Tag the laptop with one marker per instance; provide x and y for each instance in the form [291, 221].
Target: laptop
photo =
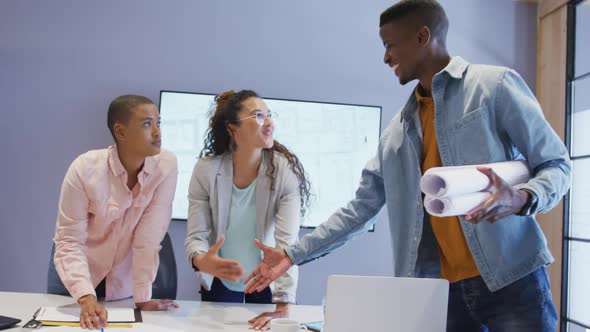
[7, 322]
[361, 303]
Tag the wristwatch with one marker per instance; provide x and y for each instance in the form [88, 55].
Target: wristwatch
[531, 204]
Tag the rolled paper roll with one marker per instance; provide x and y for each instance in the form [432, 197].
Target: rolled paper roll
[460, 180]
[454, 206]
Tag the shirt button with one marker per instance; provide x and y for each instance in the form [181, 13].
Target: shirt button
[415, 238]
[409, 274]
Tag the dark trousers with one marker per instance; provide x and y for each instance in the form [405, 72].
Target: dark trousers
[523, 306]
[220, 293]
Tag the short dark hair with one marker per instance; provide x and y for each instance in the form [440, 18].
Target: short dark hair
[120, 107]
[423, 12]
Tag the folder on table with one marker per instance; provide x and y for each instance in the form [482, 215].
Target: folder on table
[70, 316]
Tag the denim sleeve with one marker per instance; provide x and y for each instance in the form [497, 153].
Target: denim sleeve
[347, 222]
[521, 117]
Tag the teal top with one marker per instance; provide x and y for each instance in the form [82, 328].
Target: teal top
[241, 232]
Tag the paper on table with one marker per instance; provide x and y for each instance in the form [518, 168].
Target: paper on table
[72, 314]
[458, 180]
[138, 327]
[454, 206]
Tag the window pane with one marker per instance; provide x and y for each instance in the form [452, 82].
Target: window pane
[582, 65]
[573, 327]
[580, 197]
[579, 287]
[581, 118]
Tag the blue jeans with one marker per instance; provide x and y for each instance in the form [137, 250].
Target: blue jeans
[525, 305]
[220, 293]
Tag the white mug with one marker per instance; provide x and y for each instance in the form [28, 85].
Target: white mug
[285, 325]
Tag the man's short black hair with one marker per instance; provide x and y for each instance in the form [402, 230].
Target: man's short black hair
[120, 107]
[422, 13]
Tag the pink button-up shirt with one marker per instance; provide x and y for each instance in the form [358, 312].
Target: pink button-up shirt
[106, 230]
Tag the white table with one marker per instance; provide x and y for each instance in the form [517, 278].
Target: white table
[192, 316]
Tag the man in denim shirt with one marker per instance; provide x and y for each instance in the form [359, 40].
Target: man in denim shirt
[459, 114]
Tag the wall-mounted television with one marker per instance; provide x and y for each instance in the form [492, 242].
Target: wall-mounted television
[333, 141]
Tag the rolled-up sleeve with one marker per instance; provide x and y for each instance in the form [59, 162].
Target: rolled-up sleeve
[70, 257]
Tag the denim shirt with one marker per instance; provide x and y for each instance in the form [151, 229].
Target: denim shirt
[483, 114]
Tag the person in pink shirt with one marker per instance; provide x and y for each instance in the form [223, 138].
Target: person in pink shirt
[114, 210]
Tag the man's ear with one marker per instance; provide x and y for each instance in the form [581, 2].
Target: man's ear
[424, 36]
[120, 131]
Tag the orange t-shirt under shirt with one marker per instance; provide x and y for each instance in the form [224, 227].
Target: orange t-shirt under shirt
[456, 261]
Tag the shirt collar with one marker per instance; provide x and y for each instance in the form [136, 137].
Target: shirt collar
[149, 165]
[456, 67]
[114, 161]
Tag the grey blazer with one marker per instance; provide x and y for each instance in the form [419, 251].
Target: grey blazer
[277, 213]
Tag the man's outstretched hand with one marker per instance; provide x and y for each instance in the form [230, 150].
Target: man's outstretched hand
[274, 264]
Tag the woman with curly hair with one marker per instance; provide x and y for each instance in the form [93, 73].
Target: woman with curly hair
[245, 186]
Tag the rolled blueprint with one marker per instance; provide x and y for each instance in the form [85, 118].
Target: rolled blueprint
[460, 180]
[454, 205]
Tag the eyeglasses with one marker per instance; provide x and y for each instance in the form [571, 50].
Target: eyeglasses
[261, 117]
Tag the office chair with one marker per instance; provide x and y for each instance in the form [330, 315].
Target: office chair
[166, 282]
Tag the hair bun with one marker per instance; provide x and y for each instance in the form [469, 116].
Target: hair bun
[221, 99]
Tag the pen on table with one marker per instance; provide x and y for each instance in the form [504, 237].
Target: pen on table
[37, 313]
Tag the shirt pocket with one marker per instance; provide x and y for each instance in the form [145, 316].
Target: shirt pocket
[106, 216]
[113, 211]
[475, 139]
[108, 210]
[137, 209]
[472, 118]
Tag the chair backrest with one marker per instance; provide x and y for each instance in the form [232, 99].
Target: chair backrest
[163, 287]
[165, 284]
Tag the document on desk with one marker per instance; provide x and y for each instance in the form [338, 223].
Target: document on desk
[72, 314]
[139, 327]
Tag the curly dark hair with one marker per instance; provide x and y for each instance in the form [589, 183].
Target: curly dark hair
[218, 141]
